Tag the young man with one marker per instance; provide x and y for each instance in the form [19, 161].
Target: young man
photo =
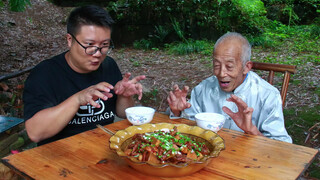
[250, 103]
[72, 92]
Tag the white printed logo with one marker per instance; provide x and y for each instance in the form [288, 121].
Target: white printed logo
[89, 110]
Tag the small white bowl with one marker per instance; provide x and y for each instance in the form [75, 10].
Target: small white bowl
[139, 115]
[210, 121]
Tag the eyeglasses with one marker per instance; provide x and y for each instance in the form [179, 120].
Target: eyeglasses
[90, 50]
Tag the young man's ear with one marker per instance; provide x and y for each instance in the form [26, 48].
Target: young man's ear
[69, 40]
[247, 67]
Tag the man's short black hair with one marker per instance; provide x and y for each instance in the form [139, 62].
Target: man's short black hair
[88, 15]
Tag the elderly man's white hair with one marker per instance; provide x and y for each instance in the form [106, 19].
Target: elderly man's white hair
[246, 47]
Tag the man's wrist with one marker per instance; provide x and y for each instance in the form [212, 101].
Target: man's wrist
[125, 101]
[127, 98]
[254, 131]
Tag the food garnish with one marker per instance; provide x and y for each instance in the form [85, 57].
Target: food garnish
[166, 147]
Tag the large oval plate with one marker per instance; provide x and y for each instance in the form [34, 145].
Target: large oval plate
[122, 138]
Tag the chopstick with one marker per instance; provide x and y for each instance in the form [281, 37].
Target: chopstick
[105, 129]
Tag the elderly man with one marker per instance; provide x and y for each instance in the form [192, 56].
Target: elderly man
[250, 104]
[77, 89]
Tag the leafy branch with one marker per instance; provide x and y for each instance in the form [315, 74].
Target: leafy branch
[17, 5]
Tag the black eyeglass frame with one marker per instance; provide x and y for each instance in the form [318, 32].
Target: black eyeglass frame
[97, 48]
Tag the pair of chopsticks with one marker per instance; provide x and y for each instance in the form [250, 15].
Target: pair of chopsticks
[105, 129]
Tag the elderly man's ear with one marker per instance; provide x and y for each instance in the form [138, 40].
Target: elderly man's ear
[247, 67]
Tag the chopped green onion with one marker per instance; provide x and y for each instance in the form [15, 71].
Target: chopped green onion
[197, 153]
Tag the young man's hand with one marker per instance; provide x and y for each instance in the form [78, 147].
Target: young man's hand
[128, 88]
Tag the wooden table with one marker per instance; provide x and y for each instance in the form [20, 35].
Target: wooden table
[87, 156]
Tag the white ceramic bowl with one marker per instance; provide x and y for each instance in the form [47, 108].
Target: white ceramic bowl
[139, 115]
[210, 121]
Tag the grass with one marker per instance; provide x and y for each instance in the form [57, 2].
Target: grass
[299, 123]
[151, 97]
[143, 44]
[293, 45]
[191, 46]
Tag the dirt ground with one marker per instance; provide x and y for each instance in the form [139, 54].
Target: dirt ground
[38, 33]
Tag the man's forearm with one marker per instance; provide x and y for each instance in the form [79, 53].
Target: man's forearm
[122, 104]
[48, 122]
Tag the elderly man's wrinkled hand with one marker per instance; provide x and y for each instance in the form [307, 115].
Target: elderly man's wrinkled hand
[177, 99]
[243, 117]
[128, 88]
[92, 93]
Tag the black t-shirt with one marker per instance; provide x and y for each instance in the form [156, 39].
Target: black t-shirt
[52, 81]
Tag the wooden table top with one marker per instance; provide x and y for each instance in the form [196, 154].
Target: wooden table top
[87, 156]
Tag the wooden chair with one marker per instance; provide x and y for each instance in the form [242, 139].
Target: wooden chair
[272, 68]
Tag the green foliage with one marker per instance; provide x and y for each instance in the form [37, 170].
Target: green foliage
[189, 19]
[146, 44]
[301, 41]
[17, 5]
[150, 97]
[315, 31]
[272, 37]
[293, 45]
[177, 29]
[207, 48]
[311, 2]
[190, 46]
[184, 20]
[292, 12]
[261, 40]
[293, 17]
[153, 41]
[161, 33]
[317, 91]
[135, 62]
[252, 13]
